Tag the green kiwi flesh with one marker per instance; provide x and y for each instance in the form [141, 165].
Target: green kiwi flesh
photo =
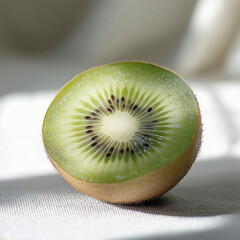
[121, 121]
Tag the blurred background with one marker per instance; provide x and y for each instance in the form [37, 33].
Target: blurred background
[43, 44]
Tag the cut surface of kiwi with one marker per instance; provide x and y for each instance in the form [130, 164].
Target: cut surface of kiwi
[121, 122]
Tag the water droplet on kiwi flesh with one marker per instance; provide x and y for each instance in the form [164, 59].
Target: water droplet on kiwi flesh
[146, 137]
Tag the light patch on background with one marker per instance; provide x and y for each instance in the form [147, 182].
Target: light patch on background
[205, 13]
[22, 153]
[211, 32]
[229, 99]
[215, 141]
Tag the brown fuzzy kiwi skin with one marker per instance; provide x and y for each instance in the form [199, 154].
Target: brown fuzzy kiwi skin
[145, 187]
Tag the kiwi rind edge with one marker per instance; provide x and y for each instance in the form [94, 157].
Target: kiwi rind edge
[144, 187]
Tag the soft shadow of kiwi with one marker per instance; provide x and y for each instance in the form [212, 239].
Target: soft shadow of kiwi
[32, 189]
[211, 188]
[51, 182]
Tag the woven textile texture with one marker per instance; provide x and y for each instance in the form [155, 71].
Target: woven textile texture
[35, 203]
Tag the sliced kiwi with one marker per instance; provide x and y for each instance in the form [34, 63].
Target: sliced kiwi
[123, 132]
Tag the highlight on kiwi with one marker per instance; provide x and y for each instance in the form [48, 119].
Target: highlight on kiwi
[124, 132]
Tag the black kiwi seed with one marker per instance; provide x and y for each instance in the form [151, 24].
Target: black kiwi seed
[111, 106]
[111, 149]
[93, 114]
[89, 131]
[87, 127]
[87, 117]
[127, 149]
[108, 155]
[96, 110]
[132, 152]
[123, 105]
[93, 138]
[94, 144]
[122, 99]
[109, 101]
[149, 109]
[121, 151]
[109, 110]
[112, 97]
[135, 107]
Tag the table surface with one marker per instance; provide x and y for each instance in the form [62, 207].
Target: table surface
[36, 203]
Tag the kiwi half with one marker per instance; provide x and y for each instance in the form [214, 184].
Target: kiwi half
[124, 132]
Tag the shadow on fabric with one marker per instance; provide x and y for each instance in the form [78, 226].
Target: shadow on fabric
[211, 188]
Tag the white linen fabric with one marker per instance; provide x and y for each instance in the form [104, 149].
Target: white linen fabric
[36, 203]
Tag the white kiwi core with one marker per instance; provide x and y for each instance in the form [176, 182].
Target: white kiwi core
[120, 126]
